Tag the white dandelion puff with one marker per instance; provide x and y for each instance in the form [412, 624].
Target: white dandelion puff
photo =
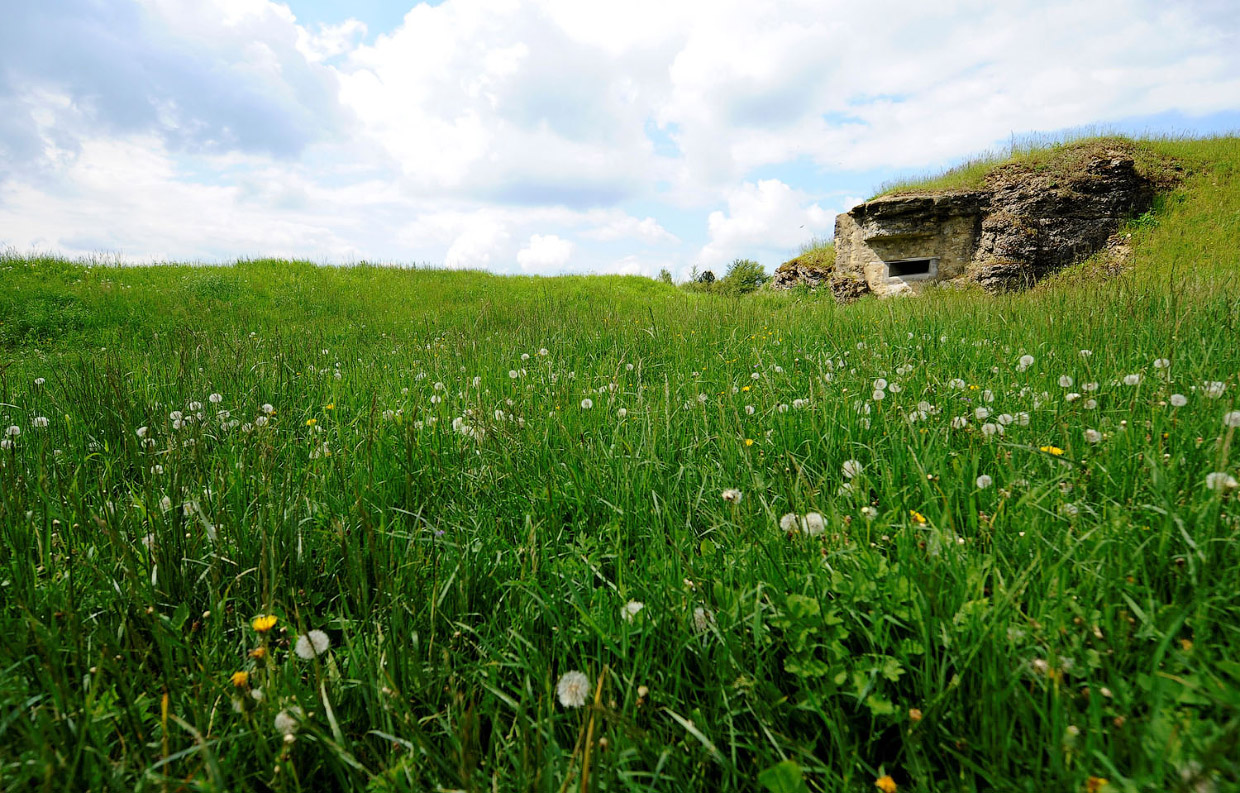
[587, 403]
[1221, 481]
[851, 469]
[1178, 400]
[629, 610]
[732, 495]
[813, 524]
[984, 481]
[1231, 419]
[311, 645]
[573, 689]
[287, 721]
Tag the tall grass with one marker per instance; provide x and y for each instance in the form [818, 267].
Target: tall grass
[1075, 617]
[1040, 149]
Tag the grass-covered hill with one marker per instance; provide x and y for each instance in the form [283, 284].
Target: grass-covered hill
[950, 543]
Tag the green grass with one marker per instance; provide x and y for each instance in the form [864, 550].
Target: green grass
[1153, 157]
[1076, 618]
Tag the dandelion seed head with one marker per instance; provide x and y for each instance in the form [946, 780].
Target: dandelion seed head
[573, 689]
[311, 645]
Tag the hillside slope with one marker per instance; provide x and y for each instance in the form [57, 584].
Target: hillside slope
[955, 543]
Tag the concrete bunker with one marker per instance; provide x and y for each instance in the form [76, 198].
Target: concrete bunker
[1026, 219]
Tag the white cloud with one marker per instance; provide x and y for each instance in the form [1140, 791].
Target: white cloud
[480, 246]
[626, 227]
[228, 127]
[763, 218]
[330, 40]
[545, 253]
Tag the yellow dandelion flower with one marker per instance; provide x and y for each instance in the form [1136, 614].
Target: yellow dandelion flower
[746, 388]
[258, 653]
[918, 517]
[311, 422]
[264, 622]
[330, 406]
[749, 441]
[1095, 784]
[1055, 450]
[240, 679]
[886, 784]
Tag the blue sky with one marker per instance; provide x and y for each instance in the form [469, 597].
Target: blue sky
[550, 136]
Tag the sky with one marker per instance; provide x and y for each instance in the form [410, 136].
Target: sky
[550, 136]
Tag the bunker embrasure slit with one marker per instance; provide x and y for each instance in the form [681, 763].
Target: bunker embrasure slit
[913, 268]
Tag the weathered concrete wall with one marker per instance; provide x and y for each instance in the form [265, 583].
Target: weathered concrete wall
[942, 227]
[1029, 220]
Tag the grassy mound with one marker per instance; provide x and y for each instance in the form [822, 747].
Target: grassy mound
[980, 543]
[1158, 159]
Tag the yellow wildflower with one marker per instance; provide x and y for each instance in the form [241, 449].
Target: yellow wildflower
[240, 679]
[258, 653]
[917, 516]
[746, 388]
[264, 622]
[330, 406]
[1055, 450]
[886, 784]
[1095, 784]
[749, 441]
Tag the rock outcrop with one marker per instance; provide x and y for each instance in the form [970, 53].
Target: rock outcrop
[1027, 220]
[804, 270]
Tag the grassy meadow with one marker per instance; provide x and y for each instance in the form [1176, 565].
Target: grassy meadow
[954, 543]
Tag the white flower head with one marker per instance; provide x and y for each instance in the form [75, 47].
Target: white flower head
[813, 524]
[1025, 362]
[587, 403]
[1232, 419]
[573, 689]
[1093, 436]
[39, 422]
[1065, 381]
[788, 522]
[1221, 481]
[1132, 379]
[702, 619]
[851, 469]
[1214, 389]
[984, 481]
[287, 721]
[1178, 400]
[311, 645]
[732, 495]
[215, 399]
[629, 610]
